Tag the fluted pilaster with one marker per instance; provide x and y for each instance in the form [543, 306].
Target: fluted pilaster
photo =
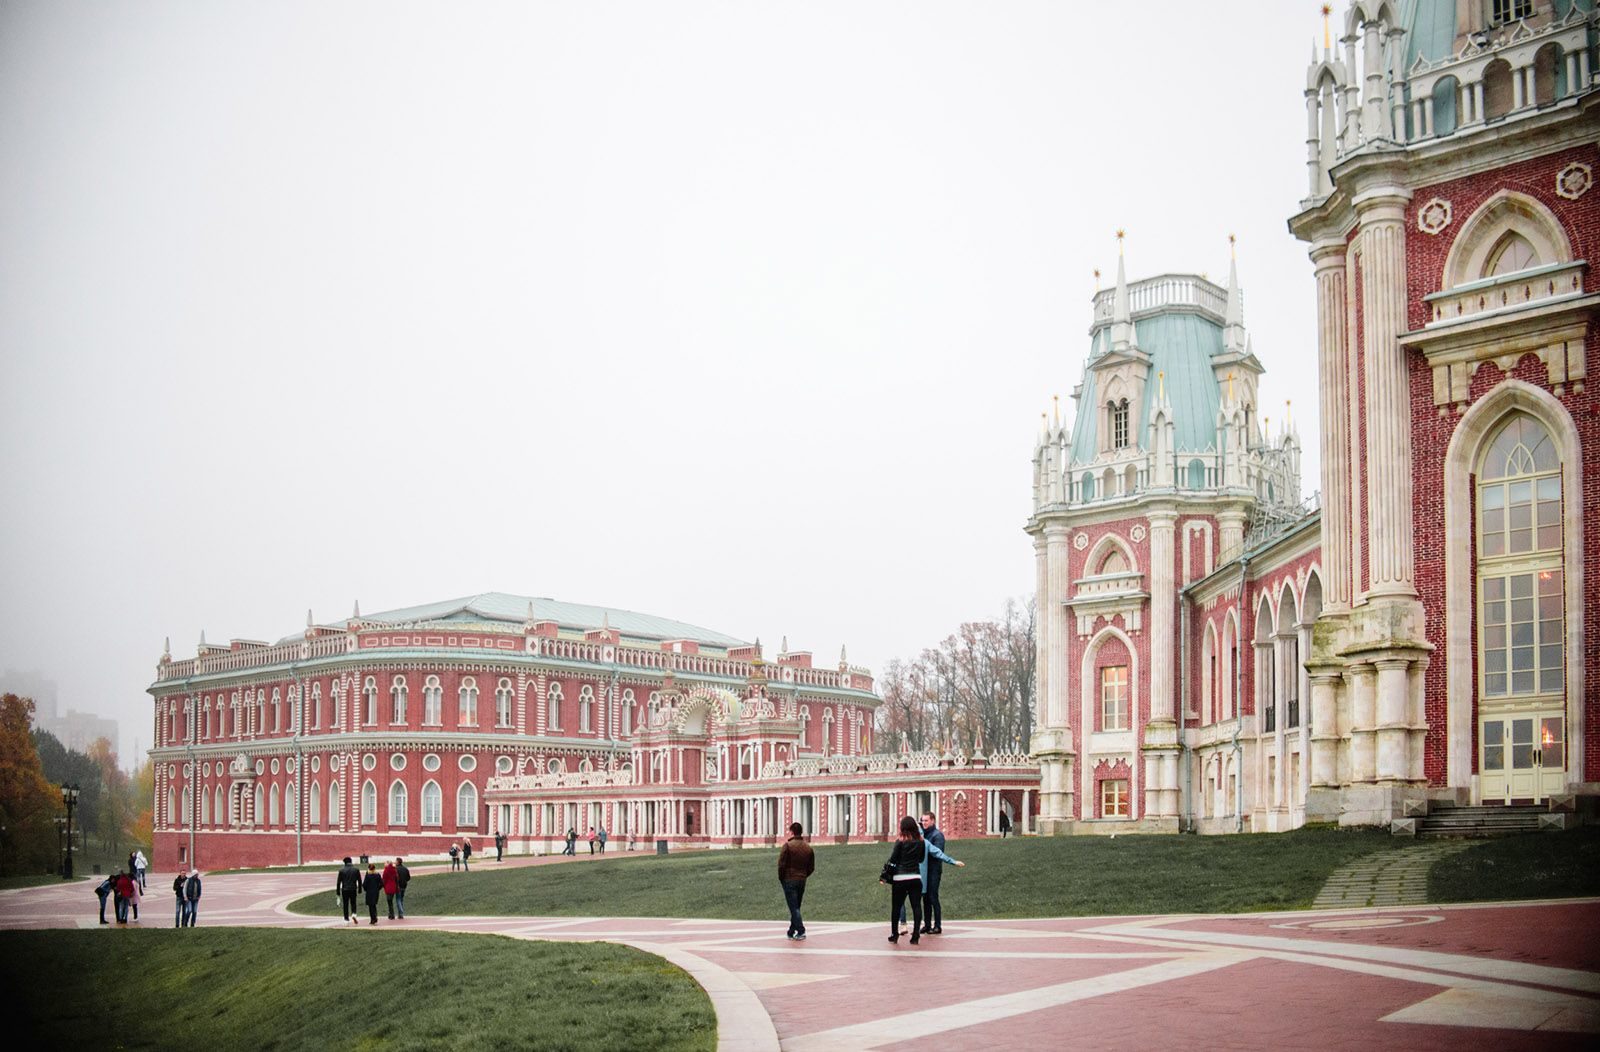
[1334, 384]
[1387, 402]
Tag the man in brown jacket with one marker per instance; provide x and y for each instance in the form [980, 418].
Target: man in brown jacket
[795, 863]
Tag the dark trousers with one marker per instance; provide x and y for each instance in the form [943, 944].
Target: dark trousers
[191, 912]
[347, 899]
[390, 900]
[455, 863]
[602, 847]
[499, 853]
[906, 891]
[465, 867]
[400, 902]
[102, 909]
[372, 910]
[794, 892]
[121, 910]
[932, 914]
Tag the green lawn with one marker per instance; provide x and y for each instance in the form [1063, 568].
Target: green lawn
[227, 988]
[1029, 877]
[1535, 866]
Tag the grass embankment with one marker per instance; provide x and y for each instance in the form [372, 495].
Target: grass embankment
[1535, 866]
[1029, 877]
[238, 988]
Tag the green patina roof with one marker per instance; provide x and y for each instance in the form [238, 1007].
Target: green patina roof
[501, 606]
[1180, 344]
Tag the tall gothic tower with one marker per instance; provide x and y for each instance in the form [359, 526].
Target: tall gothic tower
[1150, 488]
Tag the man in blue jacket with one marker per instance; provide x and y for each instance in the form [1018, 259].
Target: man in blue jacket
[932, 914]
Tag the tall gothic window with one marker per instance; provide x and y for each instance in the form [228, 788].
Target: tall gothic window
[553, 706]
[369, 804]
[502, 704]
[586, 709]
[432, 702]
[467, 805]
[1119, 425]
[397, 693]
[1114, 698]
[468, 699]
[397, 803]
[430, 804]
[1520, 584]
[371, 693]
[1513, 253]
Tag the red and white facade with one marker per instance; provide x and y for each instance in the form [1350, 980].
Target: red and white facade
[400, 734]
[1421, 637]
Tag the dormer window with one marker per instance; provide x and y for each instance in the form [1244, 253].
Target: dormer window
[1513, 253]
[1119, 425]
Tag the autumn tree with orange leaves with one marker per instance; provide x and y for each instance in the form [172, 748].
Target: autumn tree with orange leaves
[28, 803]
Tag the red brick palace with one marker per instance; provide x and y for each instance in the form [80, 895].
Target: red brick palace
[403, 732]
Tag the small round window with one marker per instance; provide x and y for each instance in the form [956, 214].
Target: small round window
[467, 762]
[397, 761]
[316, 764]
[503, 765]
[261, 767]
[369, 762]
[430, 762]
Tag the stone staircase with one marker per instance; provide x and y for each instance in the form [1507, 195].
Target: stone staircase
[1488, 821]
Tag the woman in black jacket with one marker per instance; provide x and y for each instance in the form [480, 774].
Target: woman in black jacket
[905, 869]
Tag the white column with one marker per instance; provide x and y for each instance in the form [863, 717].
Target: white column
[1388, 387]
[1363, 723]
[1334, 388]
[1394, 724]
[1163, 603]
[1519, 95]
[1053, 611]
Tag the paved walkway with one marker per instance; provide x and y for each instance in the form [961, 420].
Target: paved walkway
[1386, 878]
[1522, 976]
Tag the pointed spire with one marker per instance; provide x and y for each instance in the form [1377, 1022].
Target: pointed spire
[783, 647]
[166, 648]
[308, 617]
[1233, 336]
[1327, 33]
[527, 621]
[355, 614]
[1121, 314]
[843, 661]
[202, 639]
[1056, 413]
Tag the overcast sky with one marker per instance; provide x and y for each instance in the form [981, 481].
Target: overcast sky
[738, 313]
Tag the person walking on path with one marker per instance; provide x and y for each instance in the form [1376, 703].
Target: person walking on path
[591, 840]
[191, 899]
[602, 836]
[499, 847]
[402, 877]
[796, 862]
[932, 912]
[572, 842]
[345, 885]
[391, 887]
[466, 855]
[905, 871]
[103, 890]
[372, 884]
[177, 891]
[455, 857]
[141, 864]
[1005, 825]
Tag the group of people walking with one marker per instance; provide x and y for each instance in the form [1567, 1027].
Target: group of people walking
[391, 884]
[594, 838]
[913, 872]
[126, 887]
[461, 856]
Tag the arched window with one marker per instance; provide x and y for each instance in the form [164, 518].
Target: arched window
[1445, 92]
[1119, 424]
[316, 804]
[627, 713]
[291, 804]
[205, 807]
[1511, 253]
[1520, 582]
[1547, 63]
[432, 702]
[335, 804]
[1208, 675]
[207, 730]
[553, 708]
[369, 803]
[827, 732]
[219, 810]
[1229, 661]
[1114, 698]
[586, 708]
[397, 695]
[397, 804]
[1266, 676]
[1197, 474]
[1087, 487]
[431, 807]
[1497, 96]
[467, 699]
[1114, 562]
[259, 814]
[502, 704]
[188, 804]
[370, 689]
[467, 805]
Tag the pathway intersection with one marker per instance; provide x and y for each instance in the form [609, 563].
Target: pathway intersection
[1421, 977]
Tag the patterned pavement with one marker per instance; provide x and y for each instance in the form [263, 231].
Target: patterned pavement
[1418, 977]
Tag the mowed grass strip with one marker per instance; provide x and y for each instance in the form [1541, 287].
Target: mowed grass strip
[378, 989]
[1534, 866]
[1027, 877]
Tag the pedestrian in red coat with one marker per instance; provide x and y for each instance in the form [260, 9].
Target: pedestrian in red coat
[391, 886]
[124, 894]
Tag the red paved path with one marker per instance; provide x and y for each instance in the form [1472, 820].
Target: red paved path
[1520, 975]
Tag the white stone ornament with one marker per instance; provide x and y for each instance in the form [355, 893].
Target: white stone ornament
[1573, 181]
[1434, 216]
[1137, 533]
[1081, 541]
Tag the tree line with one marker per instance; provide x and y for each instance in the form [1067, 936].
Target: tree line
[113, 813]
[976, 686]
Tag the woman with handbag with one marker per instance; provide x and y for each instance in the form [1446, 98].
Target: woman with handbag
[905, 872]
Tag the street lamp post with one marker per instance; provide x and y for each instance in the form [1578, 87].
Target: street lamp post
[69, 796]
[61, 840]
